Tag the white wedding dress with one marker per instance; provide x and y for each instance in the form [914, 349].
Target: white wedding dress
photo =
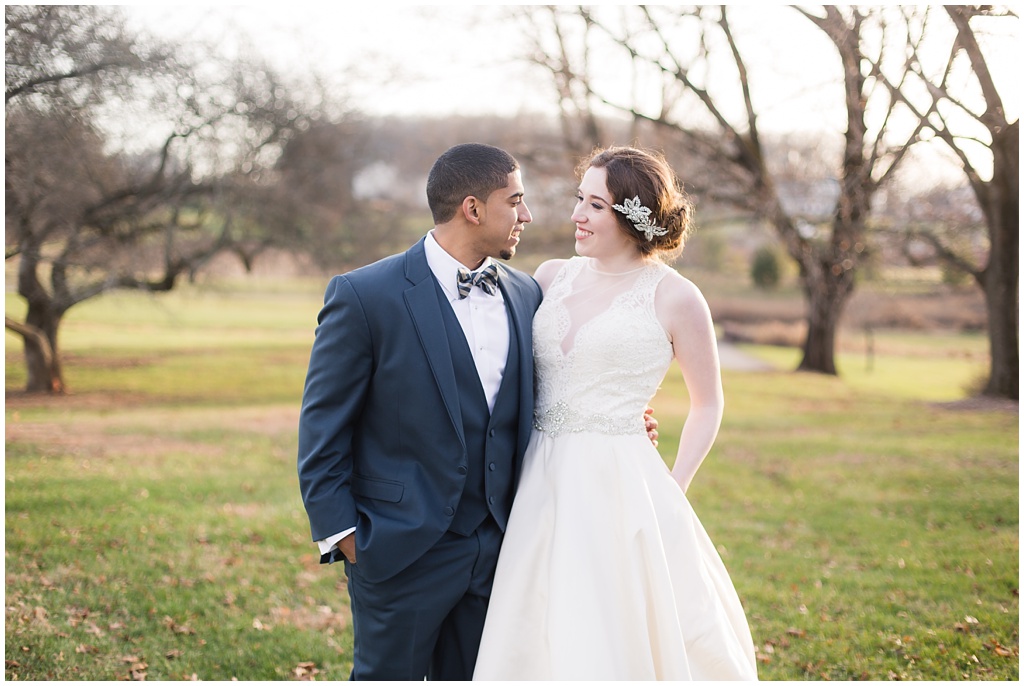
[605, 571]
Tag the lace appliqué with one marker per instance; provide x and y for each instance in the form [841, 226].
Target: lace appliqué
[617, 357]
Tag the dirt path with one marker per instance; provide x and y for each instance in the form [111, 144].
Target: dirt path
[735, 359]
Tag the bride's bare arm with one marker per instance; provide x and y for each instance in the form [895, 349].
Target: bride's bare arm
[684, 313]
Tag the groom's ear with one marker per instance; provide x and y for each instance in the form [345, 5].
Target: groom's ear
[471, 209]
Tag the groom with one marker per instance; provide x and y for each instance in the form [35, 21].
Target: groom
[417, 410]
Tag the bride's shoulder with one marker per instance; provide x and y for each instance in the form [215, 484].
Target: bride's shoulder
[547, 271]
[677, 293]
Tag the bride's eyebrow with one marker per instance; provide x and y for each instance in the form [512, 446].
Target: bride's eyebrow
[593, 197]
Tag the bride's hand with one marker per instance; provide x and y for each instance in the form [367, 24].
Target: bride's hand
[652, 426]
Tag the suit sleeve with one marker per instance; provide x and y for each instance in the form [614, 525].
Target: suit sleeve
[340, 367]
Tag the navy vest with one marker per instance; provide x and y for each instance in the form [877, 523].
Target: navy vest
[490, 436]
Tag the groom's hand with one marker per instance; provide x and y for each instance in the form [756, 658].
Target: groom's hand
[652, 425]
[347, 546]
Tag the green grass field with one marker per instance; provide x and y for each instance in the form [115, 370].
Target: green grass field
[154, 528]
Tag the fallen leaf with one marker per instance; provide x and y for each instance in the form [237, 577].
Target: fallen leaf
[305, 671]
[177, 628]
[1000, 650]
[137, 671]
[799, 633]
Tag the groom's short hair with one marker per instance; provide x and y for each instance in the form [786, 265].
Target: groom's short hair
[467, 169]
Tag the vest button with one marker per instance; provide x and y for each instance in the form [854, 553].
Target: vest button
[491, 433]
[490, 500]
[449, 511]
[492, 466]
[463, 469]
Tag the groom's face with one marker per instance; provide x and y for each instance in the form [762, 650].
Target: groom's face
[504, 217]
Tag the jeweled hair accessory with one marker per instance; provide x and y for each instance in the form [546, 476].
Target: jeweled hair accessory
[640, 216]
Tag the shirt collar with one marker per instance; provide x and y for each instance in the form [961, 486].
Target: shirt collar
[445, 267]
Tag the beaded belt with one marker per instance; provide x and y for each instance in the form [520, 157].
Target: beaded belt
[562, 419]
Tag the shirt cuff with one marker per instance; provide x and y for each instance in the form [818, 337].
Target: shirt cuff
[330, 543]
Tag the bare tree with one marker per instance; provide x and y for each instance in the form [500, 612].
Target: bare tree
[65, 53]
[936, 97]
[340, 192]
[670, 52]
[84, 212]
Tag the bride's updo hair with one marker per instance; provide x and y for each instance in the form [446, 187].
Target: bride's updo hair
[635, 172]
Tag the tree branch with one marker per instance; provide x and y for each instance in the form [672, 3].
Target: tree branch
[994, 116]
[942, 251]
[32, 84]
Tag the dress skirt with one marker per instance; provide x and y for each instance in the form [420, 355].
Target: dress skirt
[605, 573]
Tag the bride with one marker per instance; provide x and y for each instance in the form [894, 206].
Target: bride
[605, 571]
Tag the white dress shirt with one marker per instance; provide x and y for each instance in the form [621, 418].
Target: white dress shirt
[482, 316]
[484, 323]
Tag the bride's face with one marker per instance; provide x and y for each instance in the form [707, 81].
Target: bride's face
[598, 233]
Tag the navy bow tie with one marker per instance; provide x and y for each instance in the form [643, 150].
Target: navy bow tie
[486, 278]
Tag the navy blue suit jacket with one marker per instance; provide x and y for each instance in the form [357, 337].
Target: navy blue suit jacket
[380, 434]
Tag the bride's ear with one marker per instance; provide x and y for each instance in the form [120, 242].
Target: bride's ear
[471, 209]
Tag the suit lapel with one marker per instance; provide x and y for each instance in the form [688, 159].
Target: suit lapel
[515, 302]
[522, 318]
[425, 311]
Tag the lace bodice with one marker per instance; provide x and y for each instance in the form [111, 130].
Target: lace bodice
[599, 350]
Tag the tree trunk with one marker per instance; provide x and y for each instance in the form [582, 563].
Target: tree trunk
[827, 294]
[1001, 303]
[42, 358]
[1001, 278]
[41, 363]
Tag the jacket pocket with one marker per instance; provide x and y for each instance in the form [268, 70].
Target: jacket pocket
[377, 489]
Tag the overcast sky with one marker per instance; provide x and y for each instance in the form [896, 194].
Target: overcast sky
[409, 58]
[426, 58]
[420, 57]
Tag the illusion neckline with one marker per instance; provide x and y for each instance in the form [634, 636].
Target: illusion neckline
[591, 267]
